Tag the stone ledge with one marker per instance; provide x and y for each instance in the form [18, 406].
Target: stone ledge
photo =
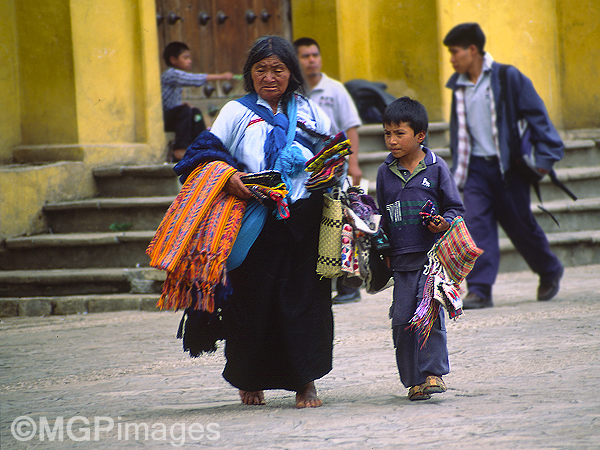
[80, 304]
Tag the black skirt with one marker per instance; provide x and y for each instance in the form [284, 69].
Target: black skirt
[279, 319]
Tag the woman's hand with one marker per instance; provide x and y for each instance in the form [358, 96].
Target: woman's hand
[234, 186]
[438, 224]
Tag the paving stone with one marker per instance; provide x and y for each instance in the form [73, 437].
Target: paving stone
[524, 375]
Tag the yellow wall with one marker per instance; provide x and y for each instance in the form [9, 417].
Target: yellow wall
[317, 19]
[523, 34]
[48, 110]
[553, 42]
[579, 39]
[381, 41]
[10, 129]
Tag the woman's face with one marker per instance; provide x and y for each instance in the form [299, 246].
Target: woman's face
[270, 78]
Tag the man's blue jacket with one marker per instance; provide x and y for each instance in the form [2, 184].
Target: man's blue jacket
[525, 103]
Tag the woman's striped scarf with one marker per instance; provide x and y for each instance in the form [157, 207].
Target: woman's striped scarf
[195, 237]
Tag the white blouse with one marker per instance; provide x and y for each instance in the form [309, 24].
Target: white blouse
[244, 134]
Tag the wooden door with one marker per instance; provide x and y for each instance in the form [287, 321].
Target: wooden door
[219, 32]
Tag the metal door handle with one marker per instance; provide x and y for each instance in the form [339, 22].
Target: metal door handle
[250, 16]
[172, 18]
[221, 17]
[264, 15]
[203, 18]
[208, 90]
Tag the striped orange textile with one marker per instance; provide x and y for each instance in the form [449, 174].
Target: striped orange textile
[195, 237]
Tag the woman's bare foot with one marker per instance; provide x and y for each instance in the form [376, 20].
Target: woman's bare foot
[252, 397]
[307, 396]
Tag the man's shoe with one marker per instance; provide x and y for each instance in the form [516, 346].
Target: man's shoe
[548, 289]
[347, 298]
[474, 301]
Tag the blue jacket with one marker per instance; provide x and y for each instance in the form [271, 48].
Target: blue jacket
[400, 204]
[525, 103]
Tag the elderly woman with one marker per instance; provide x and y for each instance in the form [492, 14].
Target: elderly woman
[278, 318]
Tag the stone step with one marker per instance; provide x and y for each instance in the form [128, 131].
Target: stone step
[580, 215]
[137, 181]
[580, 153]
[76, 304]
[76, 250]
[68, 282]
[584, 182]
[577, 248]
[107, 214]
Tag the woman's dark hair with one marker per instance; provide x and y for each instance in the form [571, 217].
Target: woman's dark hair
[465, 35]
[274, 46]
[407, 110]
[174, 49]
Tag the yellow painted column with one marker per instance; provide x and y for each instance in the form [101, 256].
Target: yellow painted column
[579, 37]
[10, 112]
[90, 82]
[46, 72]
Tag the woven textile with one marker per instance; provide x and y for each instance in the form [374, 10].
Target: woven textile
[457, 251]
[195, 237]
[450, 261]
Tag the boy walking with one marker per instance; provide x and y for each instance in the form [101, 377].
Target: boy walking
[410, 176]
[184, 120]
[480, 133]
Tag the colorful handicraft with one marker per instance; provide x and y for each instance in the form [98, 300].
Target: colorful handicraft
[268, 189]
[328, 165]
[195, 238]
[450, 260]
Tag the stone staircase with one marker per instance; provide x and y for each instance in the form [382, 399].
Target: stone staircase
[93, 257]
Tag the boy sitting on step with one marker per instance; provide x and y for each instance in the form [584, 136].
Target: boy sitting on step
[183, 119]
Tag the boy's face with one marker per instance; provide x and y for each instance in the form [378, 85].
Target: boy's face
[310, 60]
[183, 61]
[463, 59]
[401, 140]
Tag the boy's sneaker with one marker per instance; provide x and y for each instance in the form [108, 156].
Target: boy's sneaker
[433, 385]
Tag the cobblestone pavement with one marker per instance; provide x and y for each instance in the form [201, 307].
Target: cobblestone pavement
[525, 375]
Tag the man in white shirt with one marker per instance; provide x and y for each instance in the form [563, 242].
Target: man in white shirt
[334, 99]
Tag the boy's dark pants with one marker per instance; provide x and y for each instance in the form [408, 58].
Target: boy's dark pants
[414, 363]
[186, 122]
[489, 200]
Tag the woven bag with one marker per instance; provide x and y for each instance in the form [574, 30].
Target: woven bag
[457, 251]
[329, 260]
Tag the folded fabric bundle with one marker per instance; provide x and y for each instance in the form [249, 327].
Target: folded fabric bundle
[268, 189]
[328, 176]
[338, 145]
[272, 197]
[270, 178]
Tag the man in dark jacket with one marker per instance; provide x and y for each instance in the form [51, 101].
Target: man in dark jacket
[480, 131]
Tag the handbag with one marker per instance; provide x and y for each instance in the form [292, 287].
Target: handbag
[380, 276]
[329, 259]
